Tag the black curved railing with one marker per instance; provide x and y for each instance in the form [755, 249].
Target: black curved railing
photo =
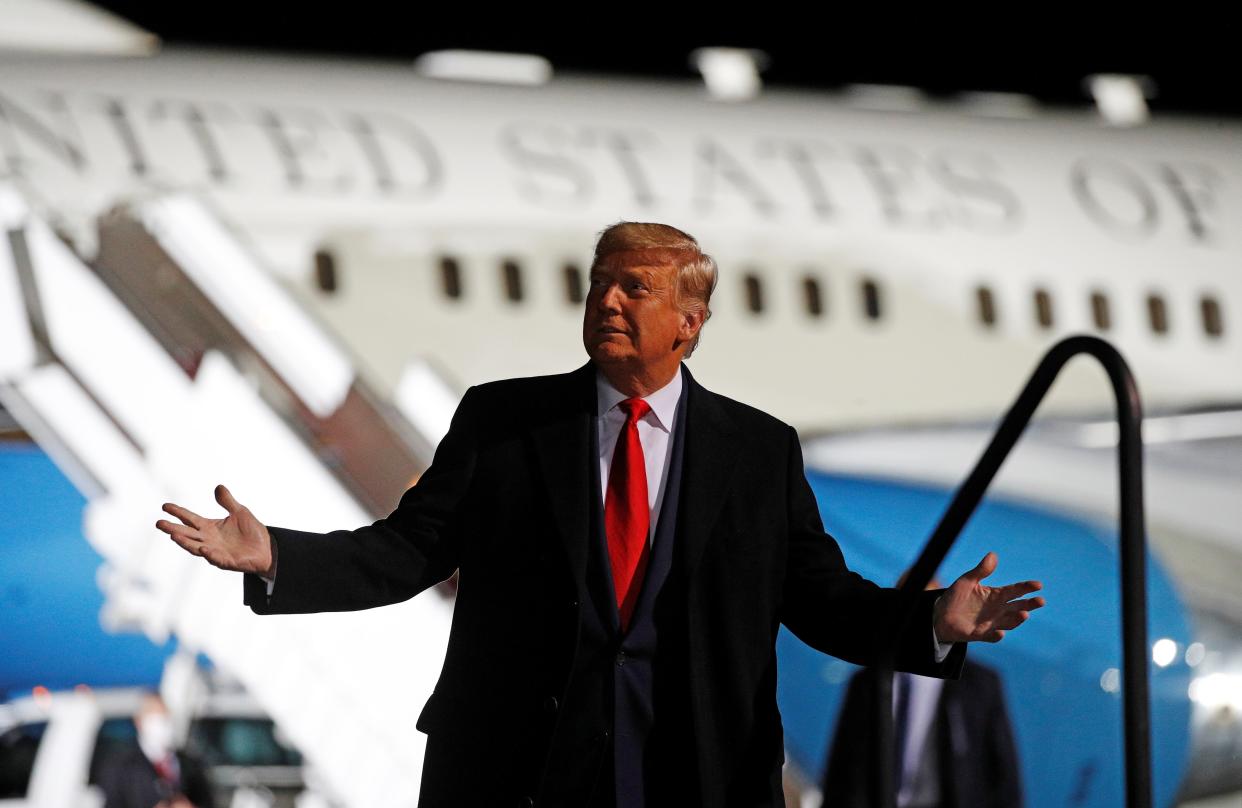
[1133, 562]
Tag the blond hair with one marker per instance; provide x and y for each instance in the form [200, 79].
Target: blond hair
[696, 270]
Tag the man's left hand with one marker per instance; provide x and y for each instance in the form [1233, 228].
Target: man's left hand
[969, 611]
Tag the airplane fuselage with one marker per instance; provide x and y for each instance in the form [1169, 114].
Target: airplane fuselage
[877, 266]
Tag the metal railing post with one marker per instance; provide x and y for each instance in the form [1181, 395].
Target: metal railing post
[1132, 558]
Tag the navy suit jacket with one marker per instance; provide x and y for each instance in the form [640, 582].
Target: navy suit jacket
[978, 761]
[507, 503]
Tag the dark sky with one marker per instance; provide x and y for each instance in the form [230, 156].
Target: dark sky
[1190, 60]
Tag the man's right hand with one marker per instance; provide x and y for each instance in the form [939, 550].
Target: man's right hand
[237, 542]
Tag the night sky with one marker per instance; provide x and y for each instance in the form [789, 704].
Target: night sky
[1190, 60]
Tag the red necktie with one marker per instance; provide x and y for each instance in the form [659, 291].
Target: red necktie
[627, 516]
[167, 771]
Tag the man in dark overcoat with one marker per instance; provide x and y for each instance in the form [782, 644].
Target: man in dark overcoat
[628, 543]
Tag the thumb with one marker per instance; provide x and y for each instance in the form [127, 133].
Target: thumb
[226, 499]
[983, 569]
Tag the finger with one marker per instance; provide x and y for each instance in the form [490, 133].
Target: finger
[983, 569]
[994, 636]
[174, 529]
[189, 545]
[1027, 605]
[1019, 589]
[184, 514]
[226, 500]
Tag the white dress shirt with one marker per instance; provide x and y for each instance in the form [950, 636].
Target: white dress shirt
[918, 782]
[655, 433]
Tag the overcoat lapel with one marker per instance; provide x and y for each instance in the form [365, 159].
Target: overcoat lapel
[711, 454]
[562, 444]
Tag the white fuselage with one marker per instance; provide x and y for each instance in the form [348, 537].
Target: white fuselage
[390, 174]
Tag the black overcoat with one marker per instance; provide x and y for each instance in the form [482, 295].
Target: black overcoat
[506, 502]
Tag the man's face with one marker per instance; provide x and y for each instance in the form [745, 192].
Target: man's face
[155, 729]
[631, 318]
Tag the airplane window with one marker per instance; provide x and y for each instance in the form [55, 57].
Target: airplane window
[1213, 322]
[1100, 312]
[1157, 314]
[1043, 308]
[987, 305]
[754, 293]
[450, 278]
[511, 274]
[325, 271]
[573, 284]
[871, 299]
[812, 296]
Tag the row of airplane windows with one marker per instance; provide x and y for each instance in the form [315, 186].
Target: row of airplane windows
[870, 297]
[1211, 317]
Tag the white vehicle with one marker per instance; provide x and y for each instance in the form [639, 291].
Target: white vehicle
[53, 744]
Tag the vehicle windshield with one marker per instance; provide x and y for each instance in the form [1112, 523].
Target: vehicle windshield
[115, 738]
[18, 746]
[237, 741]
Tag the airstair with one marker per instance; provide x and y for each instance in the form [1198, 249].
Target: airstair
[174, 362]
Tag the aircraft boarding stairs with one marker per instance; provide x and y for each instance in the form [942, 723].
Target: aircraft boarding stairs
[176, 363]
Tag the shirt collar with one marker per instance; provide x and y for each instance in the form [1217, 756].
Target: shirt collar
[663, 402]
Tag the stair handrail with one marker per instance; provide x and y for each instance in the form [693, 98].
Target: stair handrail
[1137, 722]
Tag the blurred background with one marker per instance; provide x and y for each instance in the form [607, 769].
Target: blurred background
[272, 250]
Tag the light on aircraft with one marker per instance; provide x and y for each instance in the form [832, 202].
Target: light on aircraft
[1163, 652]
[731, 74]
[1122, 100]
[1218, 690]
[499, 68]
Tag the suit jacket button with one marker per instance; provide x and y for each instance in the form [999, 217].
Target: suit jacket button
[551, 705]
[573, 604]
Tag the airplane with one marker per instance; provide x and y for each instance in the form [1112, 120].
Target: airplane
[892, 268]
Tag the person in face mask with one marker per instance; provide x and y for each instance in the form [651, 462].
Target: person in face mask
[154, 775]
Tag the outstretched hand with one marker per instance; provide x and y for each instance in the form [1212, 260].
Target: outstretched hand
[237, 542]
[969, 611]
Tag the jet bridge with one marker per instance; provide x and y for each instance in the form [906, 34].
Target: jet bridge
[172, 364]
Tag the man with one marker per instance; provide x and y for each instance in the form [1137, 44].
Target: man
[954, 745]
[628, 544]
[155, 774]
